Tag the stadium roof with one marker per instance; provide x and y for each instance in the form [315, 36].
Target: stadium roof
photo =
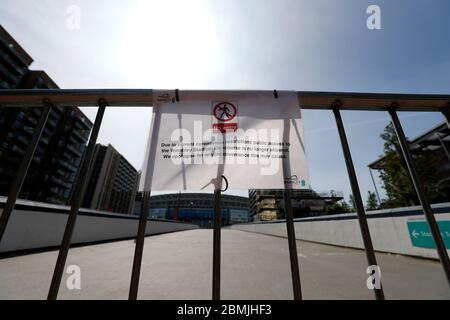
[430, 140]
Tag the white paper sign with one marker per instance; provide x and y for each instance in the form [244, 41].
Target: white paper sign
[252, 138]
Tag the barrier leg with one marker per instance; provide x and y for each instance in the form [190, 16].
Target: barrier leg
[440, 246]
[296, 286]
[17, 183]
[75, 207]
[368, 246]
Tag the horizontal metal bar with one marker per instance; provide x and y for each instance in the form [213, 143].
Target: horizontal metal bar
[76, 98]
[373, 101]
[307, 99]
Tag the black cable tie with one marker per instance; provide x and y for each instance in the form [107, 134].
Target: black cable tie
[275, 94]
[102, 102]
[337, 104]
[394, 105]
[226, 181]
[47, 103]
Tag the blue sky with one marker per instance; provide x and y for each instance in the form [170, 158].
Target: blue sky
[255, 44]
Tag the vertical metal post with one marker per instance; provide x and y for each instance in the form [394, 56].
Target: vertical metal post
[18, 180]
[140, 237]
[434, 228]
[76, 203]
[370, 254]
[296, 286]
[216, 245]
[139, 248]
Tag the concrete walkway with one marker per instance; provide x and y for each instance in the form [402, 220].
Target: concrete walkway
[254, 266]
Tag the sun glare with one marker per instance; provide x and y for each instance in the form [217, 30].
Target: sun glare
[171, 43]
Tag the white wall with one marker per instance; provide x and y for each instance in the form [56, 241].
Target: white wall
[39, 229]
[389, 234]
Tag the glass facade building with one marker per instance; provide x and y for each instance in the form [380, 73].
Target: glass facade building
[195, 208]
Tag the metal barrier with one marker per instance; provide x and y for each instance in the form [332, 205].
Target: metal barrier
[142, 97]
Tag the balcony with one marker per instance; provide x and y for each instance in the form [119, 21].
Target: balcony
[67, 165]
[82, 137]
[76, 152]
[60, 182]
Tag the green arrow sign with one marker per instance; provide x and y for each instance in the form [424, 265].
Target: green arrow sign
[420, 233]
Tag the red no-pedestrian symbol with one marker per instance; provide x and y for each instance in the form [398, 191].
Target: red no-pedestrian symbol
[224, 111]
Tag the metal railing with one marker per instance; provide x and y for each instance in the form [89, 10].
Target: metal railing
[391, 103]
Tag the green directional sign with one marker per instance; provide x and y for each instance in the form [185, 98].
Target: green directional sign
[420, 233]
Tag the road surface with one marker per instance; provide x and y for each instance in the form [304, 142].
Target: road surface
[254, 266]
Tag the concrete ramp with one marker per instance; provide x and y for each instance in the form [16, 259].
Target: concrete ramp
[392, 230]
[37, 225]
[254, 266]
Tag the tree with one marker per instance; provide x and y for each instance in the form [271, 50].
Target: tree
[352, 206]
[337, 207]
[394, 174]
[346, 208]
[372, 202]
